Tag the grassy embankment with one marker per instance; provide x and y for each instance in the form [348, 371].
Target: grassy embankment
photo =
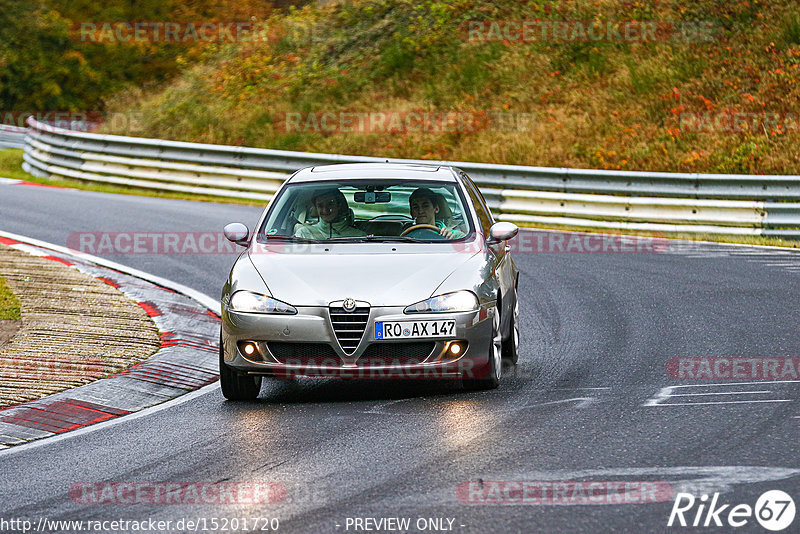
[608, 104]
[9, 305]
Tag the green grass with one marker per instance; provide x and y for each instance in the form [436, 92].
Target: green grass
[11, 165]
[9, 305]
[790, 30]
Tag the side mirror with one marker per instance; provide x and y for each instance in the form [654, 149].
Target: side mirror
[237, 233]
[502, 231]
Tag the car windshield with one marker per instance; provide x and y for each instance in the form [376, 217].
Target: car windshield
[368, 210]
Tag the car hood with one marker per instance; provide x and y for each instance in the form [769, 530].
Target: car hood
[381, 279]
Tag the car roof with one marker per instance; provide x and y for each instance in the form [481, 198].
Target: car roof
[371, 171]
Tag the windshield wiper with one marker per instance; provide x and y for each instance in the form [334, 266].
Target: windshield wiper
[290, 238]
[375, 239]
[405, 238]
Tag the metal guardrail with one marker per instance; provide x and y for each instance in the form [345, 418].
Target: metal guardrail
[12, 136]
[623, 200]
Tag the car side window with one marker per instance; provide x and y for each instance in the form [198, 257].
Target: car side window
[484, 215]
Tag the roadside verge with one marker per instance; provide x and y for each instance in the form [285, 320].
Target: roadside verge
[75, 329]
[188, 330]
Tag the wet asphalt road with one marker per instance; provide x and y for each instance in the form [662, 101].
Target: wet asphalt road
[587, 401]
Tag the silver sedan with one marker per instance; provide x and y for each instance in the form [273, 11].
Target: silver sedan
[379, 271]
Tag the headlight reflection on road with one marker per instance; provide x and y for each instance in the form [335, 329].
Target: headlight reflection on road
[463, 421]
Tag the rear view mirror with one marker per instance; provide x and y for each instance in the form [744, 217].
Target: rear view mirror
[237, 233]
[372, 197]
[502, 231]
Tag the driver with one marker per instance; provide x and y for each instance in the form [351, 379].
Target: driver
[335, 217]
[425, 209]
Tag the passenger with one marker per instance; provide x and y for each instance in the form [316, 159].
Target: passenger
[426, 209]
[335, 217]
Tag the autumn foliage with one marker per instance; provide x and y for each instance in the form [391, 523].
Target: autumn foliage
[724, 102]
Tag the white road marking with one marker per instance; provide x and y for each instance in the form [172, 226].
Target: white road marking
[379, 408]
[112, 422]
[33, 251]
[9, 181]
[720, 402]
[780, 257]
[662, 397]
[583, 402]
[729, 384]
[575, 389]
[718, 393]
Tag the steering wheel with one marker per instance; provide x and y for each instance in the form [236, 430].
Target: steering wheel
[420, 227]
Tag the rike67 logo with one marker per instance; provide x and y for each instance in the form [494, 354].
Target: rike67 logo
[774, 510]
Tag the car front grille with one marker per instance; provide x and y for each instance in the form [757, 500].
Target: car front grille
[376, 354]
[383, 354]
[315, 354]
[349, 326]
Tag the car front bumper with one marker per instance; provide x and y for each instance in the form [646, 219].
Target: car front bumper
[306, 344]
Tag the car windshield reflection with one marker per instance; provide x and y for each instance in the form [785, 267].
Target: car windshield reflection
[356, 211]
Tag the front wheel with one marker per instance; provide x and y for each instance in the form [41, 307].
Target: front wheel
[511, 345]
[236, 386]
[489, 376]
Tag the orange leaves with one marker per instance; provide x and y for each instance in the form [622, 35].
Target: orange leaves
[706, 102]
[74, 55]
[673, 133]
[695, 156]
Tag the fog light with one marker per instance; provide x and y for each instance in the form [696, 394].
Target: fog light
[455, 349]
[249, 349]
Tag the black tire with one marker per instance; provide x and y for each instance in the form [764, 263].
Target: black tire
[488, 377]
[236, 386]
[511, 344]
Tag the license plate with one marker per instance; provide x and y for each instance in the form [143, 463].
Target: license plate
[414, 329]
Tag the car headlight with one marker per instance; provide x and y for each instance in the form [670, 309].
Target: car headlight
[247, 301]
[459, 301]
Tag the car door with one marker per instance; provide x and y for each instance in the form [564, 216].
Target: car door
[505, 270]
